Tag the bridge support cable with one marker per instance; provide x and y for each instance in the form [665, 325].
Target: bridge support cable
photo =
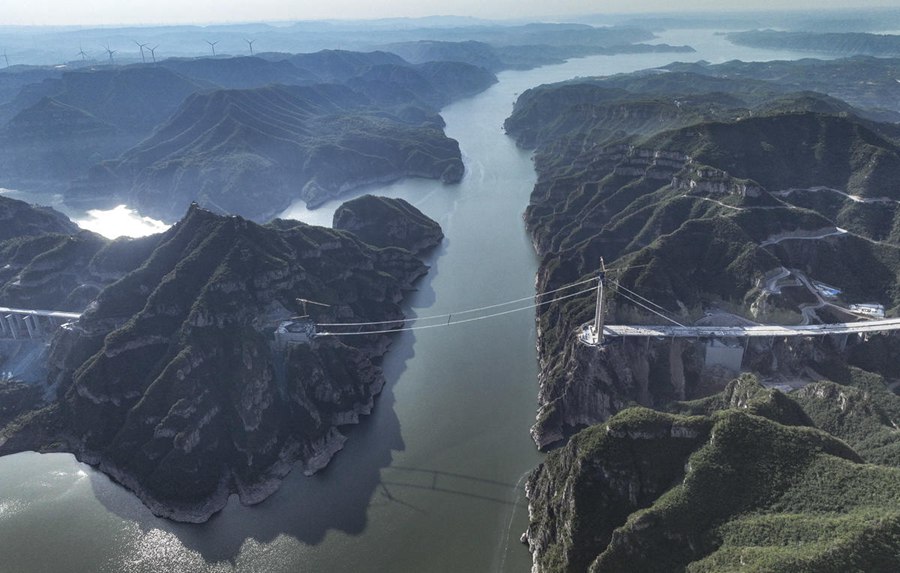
[460, 312]
[460, 321]
[634, 294]
[673, 321]
[648, 301]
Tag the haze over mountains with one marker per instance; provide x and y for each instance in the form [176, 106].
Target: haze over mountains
[309, 142]
[251, 134]
[212, 358]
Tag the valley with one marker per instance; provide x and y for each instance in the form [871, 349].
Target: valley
[653, 173]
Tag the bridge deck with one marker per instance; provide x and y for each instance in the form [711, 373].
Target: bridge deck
[883, 325]
[47, 313]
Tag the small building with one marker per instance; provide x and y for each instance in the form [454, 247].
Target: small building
[868, 309]
[295, 331]
[827, 291]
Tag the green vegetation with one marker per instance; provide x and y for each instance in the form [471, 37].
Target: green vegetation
[173, 382]
[254, 151]
[19, 219]
[676, 177]
[688, 180]
[746, 484]
[386, 222]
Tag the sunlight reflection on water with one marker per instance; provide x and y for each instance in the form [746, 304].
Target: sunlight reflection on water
[120, 221]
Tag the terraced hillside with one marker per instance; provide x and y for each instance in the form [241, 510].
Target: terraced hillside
[254, 151]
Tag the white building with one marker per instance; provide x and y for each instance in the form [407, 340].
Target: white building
[873, 310]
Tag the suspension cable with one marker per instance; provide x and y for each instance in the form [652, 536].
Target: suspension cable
[468, 311]
[461, 321]
[632, 293]
[675, 322]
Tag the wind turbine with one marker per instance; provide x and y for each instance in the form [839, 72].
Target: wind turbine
[110, 52]
[141, 46]
[250, 43]
[81, 53]
[5, 57]
[153, 52]
[212, 45]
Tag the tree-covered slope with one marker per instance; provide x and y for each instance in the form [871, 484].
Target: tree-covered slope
[748, 480]
[386, 222]
[19, 219]
[696, 190]
[173, 381]
[255, 151]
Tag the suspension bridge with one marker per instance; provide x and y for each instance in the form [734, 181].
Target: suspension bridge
[17, 323]
[36, 324]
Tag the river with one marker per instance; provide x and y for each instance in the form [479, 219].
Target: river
[432, 480]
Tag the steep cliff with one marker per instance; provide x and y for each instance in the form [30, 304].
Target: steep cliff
[668, 177]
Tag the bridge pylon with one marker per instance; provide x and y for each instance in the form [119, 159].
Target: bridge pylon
[599, 311]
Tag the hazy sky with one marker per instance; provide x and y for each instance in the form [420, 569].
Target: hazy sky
[42, 12]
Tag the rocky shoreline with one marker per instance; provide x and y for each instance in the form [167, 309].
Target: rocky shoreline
[173, 383]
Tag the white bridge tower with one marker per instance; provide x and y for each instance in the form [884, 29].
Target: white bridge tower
[599, 314]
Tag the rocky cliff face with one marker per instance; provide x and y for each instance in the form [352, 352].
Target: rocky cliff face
[172, 384]
[666, 177]
[587, 385]
[684, 220]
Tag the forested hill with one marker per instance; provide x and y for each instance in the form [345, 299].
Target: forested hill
[212, 129]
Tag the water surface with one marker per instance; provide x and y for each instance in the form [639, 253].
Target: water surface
[431, 481]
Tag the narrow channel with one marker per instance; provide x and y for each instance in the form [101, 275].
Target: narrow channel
[431, 481]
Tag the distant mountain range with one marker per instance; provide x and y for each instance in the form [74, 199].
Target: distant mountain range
[243, 135]
[840, 43]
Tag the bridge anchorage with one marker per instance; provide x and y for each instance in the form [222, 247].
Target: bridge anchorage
[27, 324]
